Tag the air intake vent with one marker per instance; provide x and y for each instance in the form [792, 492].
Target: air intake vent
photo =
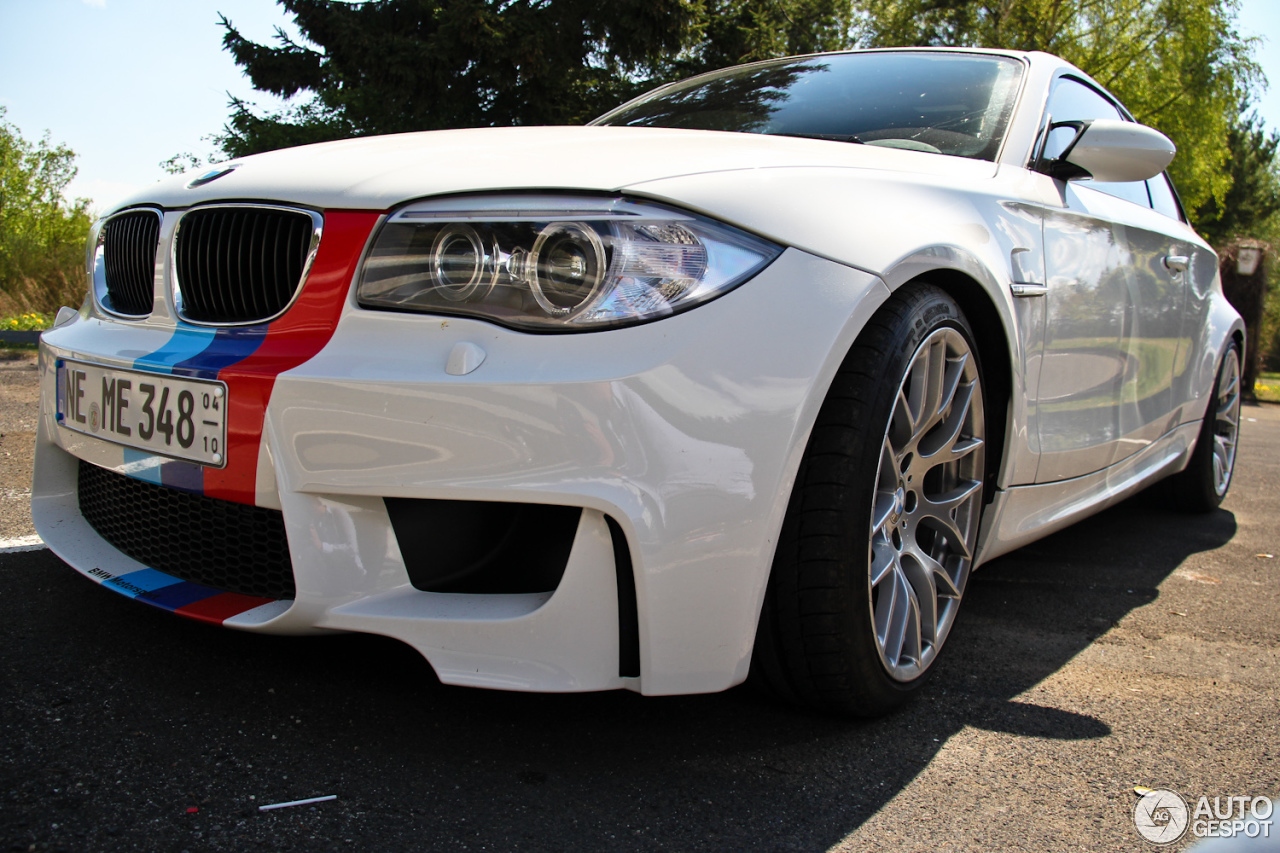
[128, 246]
[221, 544]
[238, 265]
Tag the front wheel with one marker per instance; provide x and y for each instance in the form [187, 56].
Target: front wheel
[1202, 485]
[882, 524]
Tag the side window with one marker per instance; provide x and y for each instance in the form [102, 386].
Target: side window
[1162, 197]
[1074, 101]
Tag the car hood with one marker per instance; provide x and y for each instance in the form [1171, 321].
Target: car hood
[376, 173]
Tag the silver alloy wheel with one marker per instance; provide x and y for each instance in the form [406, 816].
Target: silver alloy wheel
[924, 521]
[1226, 426]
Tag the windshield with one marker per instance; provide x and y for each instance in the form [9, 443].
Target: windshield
[944, 103]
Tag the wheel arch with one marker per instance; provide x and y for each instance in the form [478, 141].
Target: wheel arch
[795, 641]
[1223, 327]
[992, 340]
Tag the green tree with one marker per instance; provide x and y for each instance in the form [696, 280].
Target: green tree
[41, 233]
[1178, 65]
[179, 163]
[1252, 202]
[731, 32]
[397, 65]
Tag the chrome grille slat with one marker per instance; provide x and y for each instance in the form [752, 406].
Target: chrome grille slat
[232, 265]
[292, 264]
[222, 255]
[276, 254]
[128, 263]
[235, 257]
[130, 233]
[129, 244]
[146, 246]
[244, 273]
[255, 290]
[219, 250]
[257, 255]
[138, 261]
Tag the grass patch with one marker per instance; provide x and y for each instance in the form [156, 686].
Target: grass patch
[31, 296]
[1267, 387]
[29, 322]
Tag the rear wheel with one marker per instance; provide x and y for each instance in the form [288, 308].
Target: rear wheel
[881, 527]
[1202, 485]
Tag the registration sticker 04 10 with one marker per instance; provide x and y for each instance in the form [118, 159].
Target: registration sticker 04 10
[168, 415]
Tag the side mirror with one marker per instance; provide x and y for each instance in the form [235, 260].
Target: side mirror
[1111, 150]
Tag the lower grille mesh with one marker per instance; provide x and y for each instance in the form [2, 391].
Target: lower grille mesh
[221, 544]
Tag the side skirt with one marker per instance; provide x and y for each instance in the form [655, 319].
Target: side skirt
[1022, 514]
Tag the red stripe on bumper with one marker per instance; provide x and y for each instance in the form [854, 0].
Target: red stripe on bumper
[219, 608]
[291, 340]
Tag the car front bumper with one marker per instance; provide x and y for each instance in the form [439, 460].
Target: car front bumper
[685, 433]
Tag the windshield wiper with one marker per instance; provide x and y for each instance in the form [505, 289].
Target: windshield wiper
[834, 137]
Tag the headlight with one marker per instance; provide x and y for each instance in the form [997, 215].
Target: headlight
[554, 263]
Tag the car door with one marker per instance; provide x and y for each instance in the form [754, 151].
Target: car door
[1113, 308]
[1193, 306]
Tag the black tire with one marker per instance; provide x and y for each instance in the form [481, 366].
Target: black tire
[819, 640]
[1203, 484]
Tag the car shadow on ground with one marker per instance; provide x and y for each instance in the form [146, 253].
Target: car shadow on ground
[123, 718]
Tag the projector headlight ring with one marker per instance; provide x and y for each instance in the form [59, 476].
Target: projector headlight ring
[554, 263]
[460, 264]
[567, 268]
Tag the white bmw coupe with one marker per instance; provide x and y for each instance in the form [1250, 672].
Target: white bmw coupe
[743, 379]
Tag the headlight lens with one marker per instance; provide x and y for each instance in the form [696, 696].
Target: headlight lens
[554, 263]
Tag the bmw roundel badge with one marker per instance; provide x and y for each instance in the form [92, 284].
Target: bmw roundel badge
[213, 174]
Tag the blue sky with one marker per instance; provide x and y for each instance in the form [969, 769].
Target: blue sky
[1262, 18]
[125, 83]
[129, 83]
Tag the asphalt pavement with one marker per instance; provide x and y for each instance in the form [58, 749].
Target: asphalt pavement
[1137, 648]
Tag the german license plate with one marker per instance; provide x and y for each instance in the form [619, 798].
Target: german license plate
[169, 415]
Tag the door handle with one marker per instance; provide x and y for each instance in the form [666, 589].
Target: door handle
[1177, 263]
